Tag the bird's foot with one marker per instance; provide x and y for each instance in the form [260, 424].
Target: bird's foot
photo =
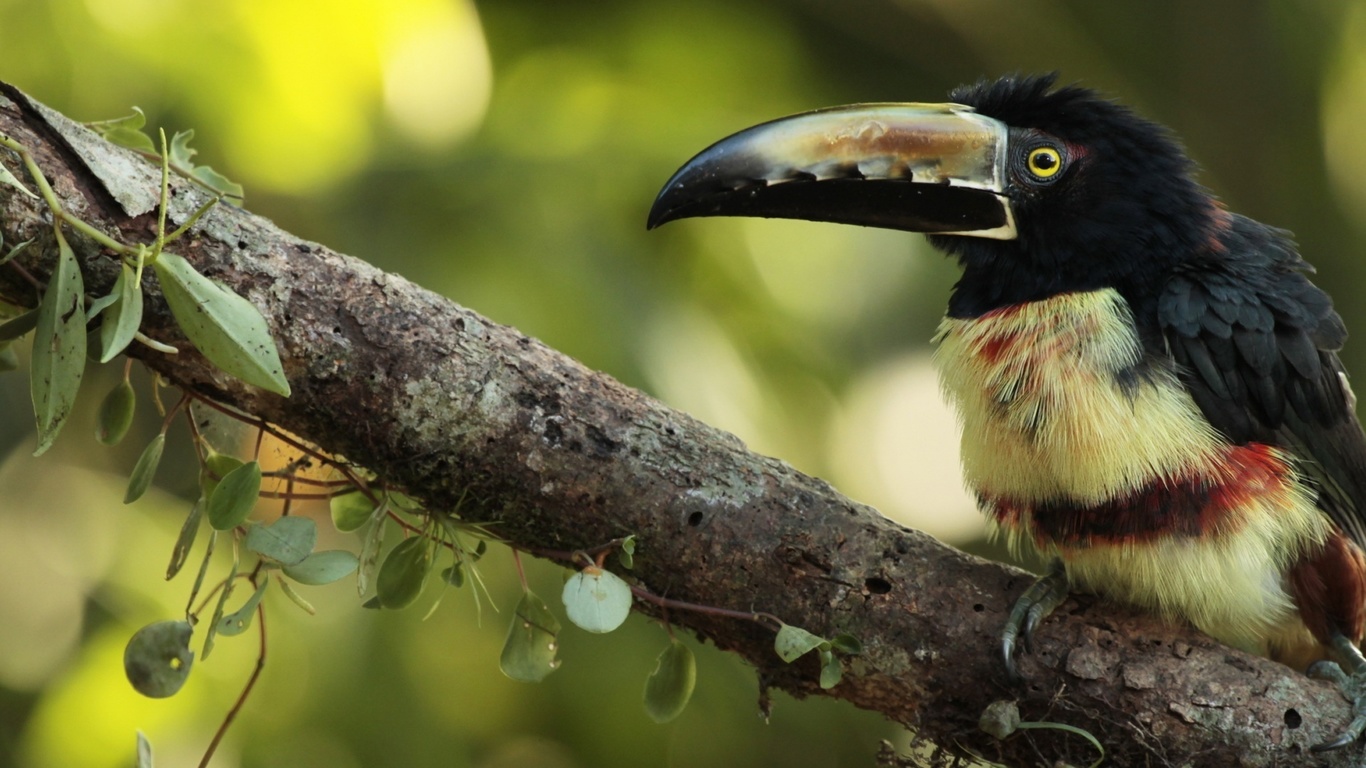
[1353, 688]
[1033, 607]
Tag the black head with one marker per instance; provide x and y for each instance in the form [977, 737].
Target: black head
[1115, 205]
[1036, 189]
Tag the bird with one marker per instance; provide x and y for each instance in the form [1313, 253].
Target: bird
[1148, 384]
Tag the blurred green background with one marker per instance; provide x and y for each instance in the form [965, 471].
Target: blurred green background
[504, 154]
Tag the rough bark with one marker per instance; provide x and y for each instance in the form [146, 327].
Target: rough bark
[445, 403]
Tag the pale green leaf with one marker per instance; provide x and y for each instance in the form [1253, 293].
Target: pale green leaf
[234, 497]
[223, 596]
[15, 251]
[793, 642]
[124, 316]
[10, 180]
[847, 644]
[216, 467]
[370, 549]
[203, 570]
[145, 469]
[126, 131]
[597, 602]
[182, 155]
[227, 328]
[239, 620]
[58, 346]
[218, 182]
[532, 641]
[135, 121]
[94, 308]
[670, 686]
[831, 670]
[189, 531]
[130, 138]
[323, 567]
[351, 510]
[296, 598]
[158, 658]
[287, 541]
[144, 751]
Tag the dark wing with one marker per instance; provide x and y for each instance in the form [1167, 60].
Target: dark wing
[1256, 344]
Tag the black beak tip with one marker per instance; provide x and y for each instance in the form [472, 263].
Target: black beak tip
[659, 214]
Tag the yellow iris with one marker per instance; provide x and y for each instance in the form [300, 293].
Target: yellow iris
[1045, 162]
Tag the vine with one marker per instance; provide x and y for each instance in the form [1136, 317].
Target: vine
[69, 327]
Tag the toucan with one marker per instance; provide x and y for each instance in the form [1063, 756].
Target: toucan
[1148, 384]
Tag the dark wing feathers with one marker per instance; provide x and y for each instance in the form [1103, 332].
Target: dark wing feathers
[1256, 344]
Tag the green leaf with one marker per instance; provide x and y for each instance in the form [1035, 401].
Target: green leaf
[18, 325]
[670, 686]
[130, 138]
[351, 510]
[144, 751]
[158, 658]
[203, 569]
[793, 642]
[145, 469]
[9, 361]
[94, 308]
[216, 467]
[189, 531]
[10, 180]
[847, 644]
[532, 641]
[126, 131]
[116, 414]
[227, 328]
[454, 575]
[297, 598]
[627, 555]
[404, 572]
[181, 153]
[58, 346]
[218, 182]
[287, 541]
[598, 602]
[223, 596]
[235, 497]
[239, 620]
[323, 567]
[831, 670]
[16, 250]
[124, 315]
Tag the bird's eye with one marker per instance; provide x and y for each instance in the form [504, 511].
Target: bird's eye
[1044, 162]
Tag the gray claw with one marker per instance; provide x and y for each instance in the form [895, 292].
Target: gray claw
[1029, 610]
[1353, 688]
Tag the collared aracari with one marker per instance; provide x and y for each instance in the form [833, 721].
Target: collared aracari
[1148, 384]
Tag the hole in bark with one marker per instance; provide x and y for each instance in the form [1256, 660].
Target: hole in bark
[978, 607]
[695, 519]
[877, 585]
[1292, 718]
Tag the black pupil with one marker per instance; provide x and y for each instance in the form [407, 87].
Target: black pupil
[1045, 161]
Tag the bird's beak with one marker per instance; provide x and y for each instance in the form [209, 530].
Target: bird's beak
[935, 168]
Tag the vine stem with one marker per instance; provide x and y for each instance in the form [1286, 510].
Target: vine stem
[246, 690]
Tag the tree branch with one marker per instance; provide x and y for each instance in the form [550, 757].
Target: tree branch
[445, 403]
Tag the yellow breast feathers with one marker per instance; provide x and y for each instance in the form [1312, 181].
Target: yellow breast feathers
[1078, 448]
